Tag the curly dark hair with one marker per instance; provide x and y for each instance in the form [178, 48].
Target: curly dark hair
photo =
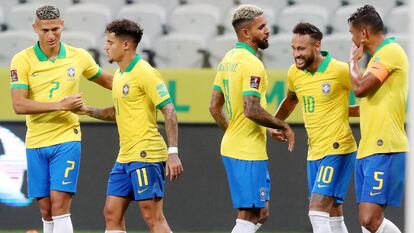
[125, 28]
[304, 28]
[367, 16]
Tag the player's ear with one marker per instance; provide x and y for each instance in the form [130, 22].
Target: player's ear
[62, 23]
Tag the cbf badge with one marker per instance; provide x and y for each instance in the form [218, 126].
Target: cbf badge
[71, 73]
[326, 88]
[125, 89]
[262, 193]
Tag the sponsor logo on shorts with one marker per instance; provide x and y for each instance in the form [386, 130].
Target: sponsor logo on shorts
[66, 182]
[380, 142]
[13, 76]
[323, 185]
[142, 190]
[254, 82]
[262, 192]
[143, 154]
[374, 193]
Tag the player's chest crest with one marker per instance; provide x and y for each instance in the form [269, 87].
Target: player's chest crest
[71, 73]
[326, 87]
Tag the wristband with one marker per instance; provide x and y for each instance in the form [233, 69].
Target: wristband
[173, 150]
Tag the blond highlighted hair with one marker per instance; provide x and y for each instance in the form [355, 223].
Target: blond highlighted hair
[245, 13]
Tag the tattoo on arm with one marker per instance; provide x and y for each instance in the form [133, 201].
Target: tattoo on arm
[256, 113]
[105, 114]
[171, 126]
[217, 111]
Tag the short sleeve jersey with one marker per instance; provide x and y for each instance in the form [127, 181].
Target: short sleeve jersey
[137, 94]
[50, 80]
[324, 99]
[240, 73]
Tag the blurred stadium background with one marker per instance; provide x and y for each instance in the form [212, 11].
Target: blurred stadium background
[184, 39]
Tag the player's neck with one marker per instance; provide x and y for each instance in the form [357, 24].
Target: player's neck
[316, 63]
[376, 41]
[125, 61]
[252, 45]
[50, 52]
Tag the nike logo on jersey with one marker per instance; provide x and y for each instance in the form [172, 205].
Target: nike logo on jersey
[143, 190]
[374, 194]
[65, 183]
[35, 75]
[323, 185]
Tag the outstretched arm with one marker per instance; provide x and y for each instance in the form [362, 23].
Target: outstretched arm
[105, 80]
[216, 109]
[287, 106]
[105, 114]
[174, 167]
[23, 105]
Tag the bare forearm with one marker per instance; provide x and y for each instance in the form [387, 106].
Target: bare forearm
[285, 109]
[353, 111]
[171, 127]
[355, 73]
[28, 106]
[262, 117]
[105, 114]
[220, 118]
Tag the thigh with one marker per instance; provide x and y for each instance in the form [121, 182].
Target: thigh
[64, 166]
[148, 180]
[249, 182]
[116, 206]
[38, 177]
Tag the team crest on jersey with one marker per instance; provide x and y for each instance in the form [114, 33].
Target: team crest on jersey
[326, 88]
[125, 89]
[71, 73]
[262, 193]
[254, 82]
[13, 76]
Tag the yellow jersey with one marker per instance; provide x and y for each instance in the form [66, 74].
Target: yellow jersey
[324, 99]
[240, 73]
[383, 112]
[137, 94]
[50, 80]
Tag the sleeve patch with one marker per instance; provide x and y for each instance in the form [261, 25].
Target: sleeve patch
[162, 90]
[13, 76]
[254, 82]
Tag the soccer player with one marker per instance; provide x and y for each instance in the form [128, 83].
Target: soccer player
[138, 92]
[321, 86]
[44, 86]
[383, 88]
[240, 85]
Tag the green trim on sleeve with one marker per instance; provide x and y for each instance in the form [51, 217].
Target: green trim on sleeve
[251, 93]
[96, 75]
[19, 86]
[163, 103]
[217, 88]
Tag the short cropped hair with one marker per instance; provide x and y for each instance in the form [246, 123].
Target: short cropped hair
[48, 12]
[125, 28]
[367, 16]
[304, 28]
[245, 13]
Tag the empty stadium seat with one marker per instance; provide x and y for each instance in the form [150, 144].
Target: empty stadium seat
[219, 46]
[168, 5]
[330, 5]
[384, 5]
[151, 17]
[114, 5]
[223, 6]
[23, 16]
[61, 4]
[179, 50]
[2, 18]
[88, 17]
[279, 52]
[79, 39]
[397, 20]
[339, 21]
[200, 19]
[338, 45]
[12, 42]
[292, 15]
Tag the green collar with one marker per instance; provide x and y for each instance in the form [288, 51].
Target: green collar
[384, 43]
[42, 56]
[241, 45]
[324, 64]
[131, 65]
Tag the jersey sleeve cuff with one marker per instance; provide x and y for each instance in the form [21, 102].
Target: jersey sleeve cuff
[163, 103]
[251, 93]
[19, 86]
[96, 75]
[217, 88]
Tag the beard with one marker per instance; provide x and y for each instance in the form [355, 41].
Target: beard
[262, 44]
[308, 61]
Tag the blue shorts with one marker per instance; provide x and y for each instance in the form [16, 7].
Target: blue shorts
[53, 168]
[330, 175]
[137, 180]
[249, 182]
[379, 178]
